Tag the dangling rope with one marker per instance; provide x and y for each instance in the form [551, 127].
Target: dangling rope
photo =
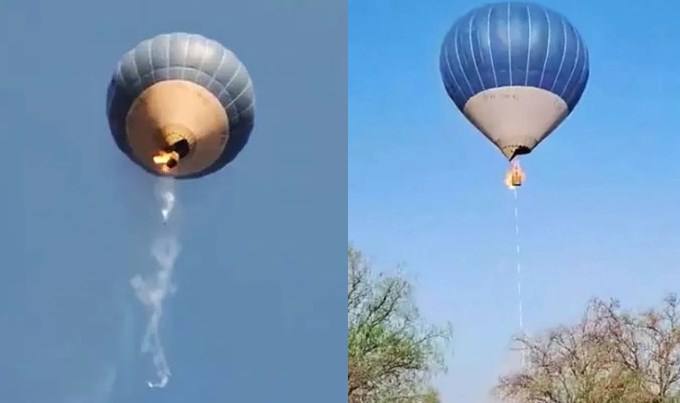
[520, 311]
[514, 179]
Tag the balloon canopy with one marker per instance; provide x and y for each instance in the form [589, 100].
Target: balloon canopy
[180, 105]
[515, 70]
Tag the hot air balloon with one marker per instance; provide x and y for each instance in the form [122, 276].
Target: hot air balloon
[516, 71]
[180, 105]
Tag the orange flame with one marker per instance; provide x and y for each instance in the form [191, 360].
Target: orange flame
[166, 159]
[515, 176]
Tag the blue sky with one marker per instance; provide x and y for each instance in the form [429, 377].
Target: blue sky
[599, 207]
[260, 311]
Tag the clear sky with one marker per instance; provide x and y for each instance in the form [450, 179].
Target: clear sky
[599, 209]
[260, 313]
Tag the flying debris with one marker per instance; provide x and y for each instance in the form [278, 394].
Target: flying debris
[515, 71]
[180, 105]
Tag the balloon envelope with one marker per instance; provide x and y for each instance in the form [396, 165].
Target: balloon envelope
[186, 83]
[515, 70]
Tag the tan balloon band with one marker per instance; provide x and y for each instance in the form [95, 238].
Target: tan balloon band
[516, 119]
[177, 128]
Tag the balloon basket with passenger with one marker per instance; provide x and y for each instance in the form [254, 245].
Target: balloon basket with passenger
[515, 176]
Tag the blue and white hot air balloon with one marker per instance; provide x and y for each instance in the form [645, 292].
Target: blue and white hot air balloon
[516, 71]
[180, 105]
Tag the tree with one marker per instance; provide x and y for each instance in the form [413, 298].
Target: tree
[431, 396]
[392, 352]
[610, 356]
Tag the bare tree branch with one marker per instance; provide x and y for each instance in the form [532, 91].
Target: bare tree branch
[609, 356]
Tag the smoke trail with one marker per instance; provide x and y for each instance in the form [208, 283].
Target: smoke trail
[520, 309]
[152, 290]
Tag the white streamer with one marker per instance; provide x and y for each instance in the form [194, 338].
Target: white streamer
[153, 290]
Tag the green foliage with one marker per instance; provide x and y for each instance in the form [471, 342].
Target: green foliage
[392, 352]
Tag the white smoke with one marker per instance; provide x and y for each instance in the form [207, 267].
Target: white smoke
[152, 290]
[165, 191]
